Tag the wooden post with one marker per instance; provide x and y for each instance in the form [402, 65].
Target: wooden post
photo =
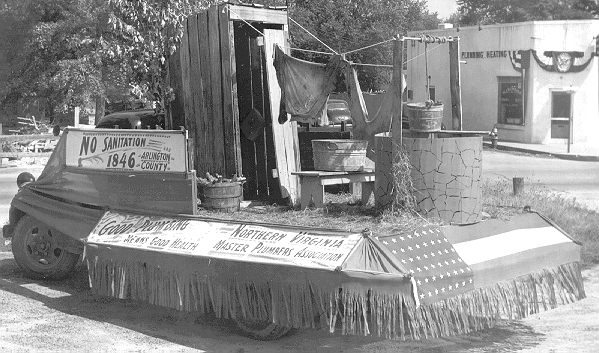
[396, 128]
[455, 84]
[518, 185]
[76, 117]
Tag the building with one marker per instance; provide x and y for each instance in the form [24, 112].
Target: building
[537, 82]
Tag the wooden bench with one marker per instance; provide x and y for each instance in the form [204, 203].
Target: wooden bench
[312, 184]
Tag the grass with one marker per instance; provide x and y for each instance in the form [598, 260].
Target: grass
[580, 222]
[344, 211]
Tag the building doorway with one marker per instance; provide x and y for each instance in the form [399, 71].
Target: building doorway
[561, 114]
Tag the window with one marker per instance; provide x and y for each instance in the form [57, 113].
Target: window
[561, 104]
[431, 93]
[561, 112]
[510, 110]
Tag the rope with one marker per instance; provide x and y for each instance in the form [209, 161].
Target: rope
[313, 36]
[308, 51]
[419, 55]
[246, 22]
[375, 65]
[369, 46]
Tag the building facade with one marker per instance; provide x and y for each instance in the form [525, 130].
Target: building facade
[537, 82]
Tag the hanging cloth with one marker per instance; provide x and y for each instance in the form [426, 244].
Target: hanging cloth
[305, 86]
[363, 127]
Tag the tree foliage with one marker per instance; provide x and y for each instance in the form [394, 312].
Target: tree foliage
[348, 25]
[474, 12]
[147, 33]
[70, 52]
[58, 56]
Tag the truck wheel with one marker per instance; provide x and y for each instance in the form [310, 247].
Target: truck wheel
[263, 331]
[36, 251]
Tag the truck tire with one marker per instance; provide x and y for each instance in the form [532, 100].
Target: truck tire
[263, 331]
[36, 251]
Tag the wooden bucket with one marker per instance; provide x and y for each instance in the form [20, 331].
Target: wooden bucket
[423, 118]
[339, 155]
[224, 197]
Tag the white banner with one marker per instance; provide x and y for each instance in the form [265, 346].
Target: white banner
[127, 150]
[247, 242]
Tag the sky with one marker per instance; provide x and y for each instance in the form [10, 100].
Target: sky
[443, 7]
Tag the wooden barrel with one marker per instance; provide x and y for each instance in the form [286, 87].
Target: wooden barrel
[224, 197]
[423, 118]
[339, 155]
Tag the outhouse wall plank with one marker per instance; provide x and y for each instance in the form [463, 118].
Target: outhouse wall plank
[194, 79]
[258, 15]
[196, 89]
[205, 158]
[230, 105]
[218, 131]
[188, 106]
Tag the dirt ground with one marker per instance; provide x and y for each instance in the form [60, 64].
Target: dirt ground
[43, 316]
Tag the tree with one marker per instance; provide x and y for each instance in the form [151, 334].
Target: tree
[151, 30]
[59, 57]
[474, 12]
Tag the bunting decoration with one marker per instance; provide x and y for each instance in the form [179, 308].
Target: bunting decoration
[521, 62]
[562, 61]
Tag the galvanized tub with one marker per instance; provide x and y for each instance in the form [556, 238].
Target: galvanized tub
[339, 155]
[424, 117]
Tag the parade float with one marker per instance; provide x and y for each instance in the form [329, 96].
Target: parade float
[140, 239]
[126, 200]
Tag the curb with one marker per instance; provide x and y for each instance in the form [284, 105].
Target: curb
[566, 156]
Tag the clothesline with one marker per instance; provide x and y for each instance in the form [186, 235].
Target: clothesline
[424, 38]
[313, 36]
[244, 21]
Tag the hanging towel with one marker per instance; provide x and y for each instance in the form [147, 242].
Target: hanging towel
[363, 126]
[305, 86]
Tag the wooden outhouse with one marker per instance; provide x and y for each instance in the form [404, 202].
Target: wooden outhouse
[227, 96]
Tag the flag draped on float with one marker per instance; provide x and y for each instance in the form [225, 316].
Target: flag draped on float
[468, 277]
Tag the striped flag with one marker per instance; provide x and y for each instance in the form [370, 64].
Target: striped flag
[498, 250]
[451, 260]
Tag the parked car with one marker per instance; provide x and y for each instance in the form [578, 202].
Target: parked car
[133, 119]
[338, 111]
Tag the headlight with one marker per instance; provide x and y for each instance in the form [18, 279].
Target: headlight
[24, 178]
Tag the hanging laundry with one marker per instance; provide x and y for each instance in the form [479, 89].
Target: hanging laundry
[364, 127]
[305, 86]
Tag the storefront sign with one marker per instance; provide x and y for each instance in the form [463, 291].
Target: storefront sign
[130, 150]
[485, 54]
[247, 242]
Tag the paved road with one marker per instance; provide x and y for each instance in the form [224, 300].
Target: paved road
[8, 185]
[572, 178]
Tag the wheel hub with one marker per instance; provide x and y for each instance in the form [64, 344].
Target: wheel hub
[42, 246]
